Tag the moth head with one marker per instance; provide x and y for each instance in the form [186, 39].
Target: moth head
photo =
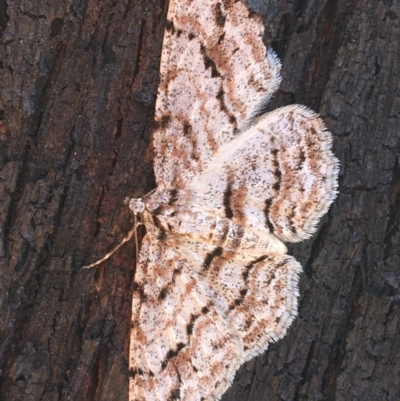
[136, 205]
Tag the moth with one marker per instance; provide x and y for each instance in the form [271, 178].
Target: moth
[214, 284]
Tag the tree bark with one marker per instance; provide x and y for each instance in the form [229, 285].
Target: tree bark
[77, 93]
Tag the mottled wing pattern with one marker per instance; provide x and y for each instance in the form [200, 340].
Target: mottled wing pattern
[214, 284]
[279, 176]
[214, 74]
[257, 292]
[203, 316]
[182, 347]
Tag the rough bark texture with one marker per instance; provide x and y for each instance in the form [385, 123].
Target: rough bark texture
[77, 92]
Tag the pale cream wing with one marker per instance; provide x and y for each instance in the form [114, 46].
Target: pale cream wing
[181, 347]
[215, 72]
[279, 176]
[257, 293]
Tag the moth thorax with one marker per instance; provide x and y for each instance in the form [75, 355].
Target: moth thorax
[136, 205]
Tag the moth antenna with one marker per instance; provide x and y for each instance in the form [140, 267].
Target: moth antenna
[136, 224]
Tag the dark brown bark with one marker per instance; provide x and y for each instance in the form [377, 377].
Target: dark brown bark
[77, 92]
